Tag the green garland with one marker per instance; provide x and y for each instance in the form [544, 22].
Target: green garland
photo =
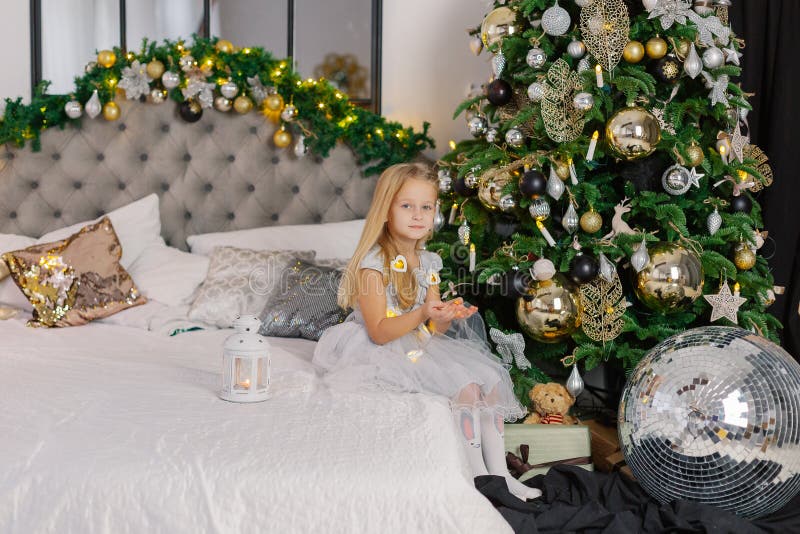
[675, 218]
[325, 115]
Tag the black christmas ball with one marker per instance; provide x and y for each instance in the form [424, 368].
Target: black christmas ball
[499, 92]
[742, 204]
[516, 283]
[463, 189]
[190, 110]
[635, 7]
[584, 268]
[667, 69]
[532, 184]
[505, 227]
[645, 174]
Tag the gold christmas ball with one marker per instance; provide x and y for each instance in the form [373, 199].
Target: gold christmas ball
[225, 46]
[242, 104]
[111, 111]
[274, 102]
[498, 24]
[633, 52]
[490, 191]
[591, 222]
[633, 133]
[155, 69]
[743, 257]
[656, 48]
[550, 311]
[683, 48]
[106, 58]
[696, 155]
[562, 170]
[672, 280]
[282, 138]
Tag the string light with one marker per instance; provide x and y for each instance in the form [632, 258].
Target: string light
[452, 144]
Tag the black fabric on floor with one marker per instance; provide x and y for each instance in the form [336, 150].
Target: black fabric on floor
[576, 500]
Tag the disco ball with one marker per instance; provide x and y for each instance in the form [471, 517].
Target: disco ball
[712, 415]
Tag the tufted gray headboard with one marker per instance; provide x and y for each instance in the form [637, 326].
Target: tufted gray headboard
[218, 174]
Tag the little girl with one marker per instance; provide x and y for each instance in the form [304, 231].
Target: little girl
[402, 337]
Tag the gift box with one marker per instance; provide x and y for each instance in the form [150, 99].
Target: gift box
[605, 443]
[543, 446]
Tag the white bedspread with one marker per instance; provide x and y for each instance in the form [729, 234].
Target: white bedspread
[111, 429]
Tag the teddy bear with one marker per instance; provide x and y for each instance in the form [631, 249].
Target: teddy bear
[550, 403]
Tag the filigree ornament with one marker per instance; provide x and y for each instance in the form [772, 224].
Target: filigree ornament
[562, 121]
[605, 25]
[603, 308]
[752, 152]
[725, 304]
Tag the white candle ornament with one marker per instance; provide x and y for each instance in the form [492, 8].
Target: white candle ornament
[472, 257]
[598, 71]
[592, 146]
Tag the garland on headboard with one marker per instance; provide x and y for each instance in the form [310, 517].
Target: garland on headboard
[312, 114]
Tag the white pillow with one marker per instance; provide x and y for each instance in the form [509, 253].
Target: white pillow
[137, 225]
[329, 240]
[168, 275]
[10, 295]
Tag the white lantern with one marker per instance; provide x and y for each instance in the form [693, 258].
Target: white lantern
[245, 363]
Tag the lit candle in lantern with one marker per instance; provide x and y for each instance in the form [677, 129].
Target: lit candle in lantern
[598, 71]
[592, 146]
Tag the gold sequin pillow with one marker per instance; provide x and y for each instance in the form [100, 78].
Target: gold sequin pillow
[76, 280]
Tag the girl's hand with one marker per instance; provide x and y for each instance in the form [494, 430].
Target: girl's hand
[441, 312]
[461, 311]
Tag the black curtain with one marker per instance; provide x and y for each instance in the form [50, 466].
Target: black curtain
[770, 69]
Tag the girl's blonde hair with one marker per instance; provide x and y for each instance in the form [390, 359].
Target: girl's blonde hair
[376, 232]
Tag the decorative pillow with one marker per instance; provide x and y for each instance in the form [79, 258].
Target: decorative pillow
[10, 295]
[168, 275]
[238, 282]
[138, 225]
[329, 240]
[76, 280]
[304, 304]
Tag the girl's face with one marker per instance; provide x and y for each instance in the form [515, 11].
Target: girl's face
[412, 210]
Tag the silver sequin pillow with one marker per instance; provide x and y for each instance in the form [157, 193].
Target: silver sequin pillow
[304, 303]
[239, 281]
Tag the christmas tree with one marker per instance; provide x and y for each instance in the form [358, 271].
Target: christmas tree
[606, 200]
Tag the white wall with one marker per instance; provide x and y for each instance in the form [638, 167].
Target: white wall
[427, 65]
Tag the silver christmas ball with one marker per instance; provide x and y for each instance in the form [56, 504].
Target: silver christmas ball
[229, 89]
[676, 180]
[713, 58]
[477, 125]
[583, 101]
[576, 49]
[170, 79]
[445, 181]
[555, 20]
[515, 138]
[584, 64]
[536, 92]
[539, 209]
[710, 415]
[222, 104]
[536, 58]
[491, 135]
[158, 96]
[649, 4]
[582, 3]
[289, 113]
[507, 203]
[73, 109]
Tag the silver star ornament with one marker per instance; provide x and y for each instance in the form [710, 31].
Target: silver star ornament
[511, 347]
[695, 176]
[725, 304]
[738, 141]
[732, 56]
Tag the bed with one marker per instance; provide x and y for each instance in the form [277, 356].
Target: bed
[112, 427]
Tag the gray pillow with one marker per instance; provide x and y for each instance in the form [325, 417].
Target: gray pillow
[304, 303]
[239, 281]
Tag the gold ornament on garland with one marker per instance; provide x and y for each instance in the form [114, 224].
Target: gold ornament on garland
[106, 58]
[551, 310]
[605, 25]
[111, 111]
[603, 306]
[282, 138]
[562, 121]
[224, 46]
[672, 280]
[272, 107]
[242, 104]
[155, 69]
[344, 71]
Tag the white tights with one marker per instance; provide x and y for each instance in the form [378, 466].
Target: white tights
[482, 430]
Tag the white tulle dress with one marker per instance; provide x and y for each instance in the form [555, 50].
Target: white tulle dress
[441, 364]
